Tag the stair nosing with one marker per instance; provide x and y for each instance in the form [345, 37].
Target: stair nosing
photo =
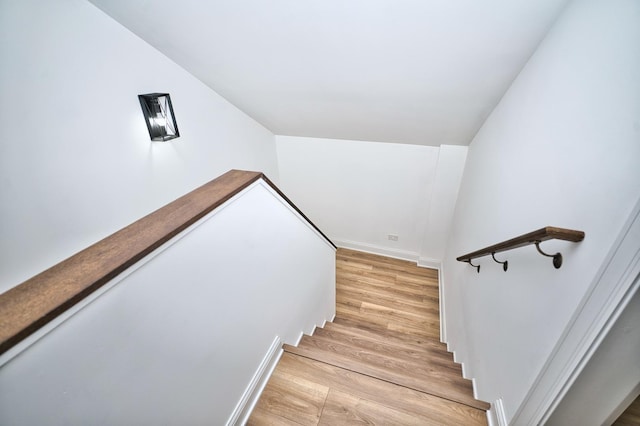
[359, 368]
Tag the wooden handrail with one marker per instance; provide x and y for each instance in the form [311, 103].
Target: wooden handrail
[32, 304]
[535, 237]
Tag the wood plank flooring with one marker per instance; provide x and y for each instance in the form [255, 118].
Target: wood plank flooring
[379, 362]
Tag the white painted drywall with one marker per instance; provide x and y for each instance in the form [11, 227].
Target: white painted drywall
[76, 162]
[609, 377]
[446, 184]
[360, 192]
[179, 339]
[560, 149]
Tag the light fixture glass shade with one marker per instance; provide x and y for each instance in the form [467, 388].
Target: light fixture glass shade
[158, 114]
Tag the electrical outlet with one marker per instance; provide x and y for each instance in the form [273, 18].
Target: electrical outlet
[392, 237]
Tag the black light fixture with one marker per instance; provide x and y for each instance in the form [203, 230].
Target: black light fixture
[158, 114]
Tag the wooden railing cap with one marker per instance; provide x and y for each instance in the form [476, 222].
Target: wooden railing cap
[32, 304]
[534, 237]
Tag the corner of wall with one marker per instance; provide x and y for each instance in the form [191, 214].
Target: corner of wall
[255, 387]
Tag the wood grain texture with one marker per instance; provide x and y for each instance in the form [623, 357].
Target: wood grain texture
[346, 408]
[542, 234]
[294, 398]
[432, 378]
[429, 409]
[32, 304]
[381, 358]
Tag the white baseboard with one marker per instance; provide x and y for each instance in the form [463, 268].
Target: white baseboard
[300, 336]
[374, 249]
[329, 320]
[313, 330]
[492, 420]
[259, 380]
[443, 308]
[500, 413]
[496, 415]
[463, 367]
[426, 262]
[474, 389]
[443, 339]
[465, 373]
[422, 262]
[390, 252]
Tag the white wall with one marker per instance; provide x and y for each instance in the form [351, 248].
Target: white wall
[611, 375]
[76, 162]
[360, 192]
[161, 349]
[446, 184]
[560, 149]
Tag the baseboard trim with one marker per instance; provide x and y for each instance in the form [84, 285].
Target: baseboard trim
[390, 252]
[329, 320]
[496, 415]
[423, 262]
[300, 336]
[312, 331]
[443, 339]
[463, 367]
[443, 307]
[259, 380]
[374, 249]
[426, 262]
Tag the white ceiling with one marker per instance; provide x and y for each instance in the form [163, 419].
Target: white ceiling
[411, 71]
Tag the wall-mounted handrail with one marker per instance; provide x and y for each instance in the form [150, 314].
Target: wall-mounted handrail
[34, 303]
[535, 237]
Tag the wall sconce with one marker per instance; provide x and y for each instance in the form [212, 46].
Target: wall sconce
[158, 114]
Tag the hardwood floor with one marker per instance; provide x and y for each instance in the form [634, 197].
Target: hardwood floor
[379, 362]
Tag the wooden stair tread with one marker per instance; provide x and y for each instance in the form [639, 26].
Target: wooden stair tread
[345, 408]
[375, 331]
[391, 339]
[384, 262]
[383, 309]
[369, 318]
[380, 277]
[365, 348]
[388, 283]
[414, 303]
[386, 359]
[428, 409]
[430, 378]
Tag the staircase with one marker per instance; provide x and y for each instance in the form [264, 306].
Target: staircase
[379, 362]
